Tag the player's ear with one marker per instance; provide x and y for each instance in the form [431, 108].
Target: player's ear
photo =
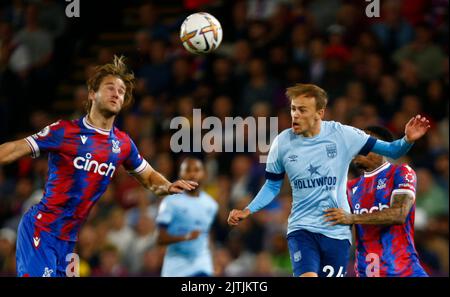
[91, 95]
[320, 113]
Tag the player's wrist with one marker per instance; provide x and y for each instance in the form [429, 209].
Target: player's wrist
[407, 140]
[168, 188]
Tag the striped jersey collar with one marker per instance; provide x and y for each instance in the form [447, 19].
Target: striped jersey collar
[378, 170]
[99, 130]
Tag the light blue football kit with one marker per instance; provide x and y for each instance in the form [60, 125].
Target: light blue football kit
[317, 170]
[181, 214]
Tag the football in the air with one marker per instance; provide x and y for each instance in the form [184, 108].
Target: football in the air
[201, 33]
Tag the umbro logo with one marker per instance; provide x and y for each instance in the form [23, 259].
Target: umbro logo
[36, 241]
[83, 138]
[293, 158]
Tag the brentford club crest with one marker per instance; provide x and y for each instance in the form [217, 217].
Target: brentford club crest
[331, 150]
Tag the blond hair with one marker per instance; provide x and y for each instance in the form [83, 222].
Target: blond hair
[308, 90]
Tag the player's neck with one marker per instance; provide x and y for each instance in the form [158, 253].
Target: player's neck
[195, 193]
[97, 120]
[376, 166]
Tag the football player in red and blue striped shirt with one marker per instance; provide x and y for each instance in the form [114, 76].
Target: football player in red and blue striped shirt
[383, 204]
[83, 157]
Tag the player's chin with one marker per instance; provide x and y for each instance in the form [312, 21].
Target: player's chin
[114, 110]
[296, 129]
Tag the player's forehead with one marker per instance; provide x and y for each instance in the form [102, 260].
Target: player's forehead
[191, 164]
[303, 101]
[113, 80]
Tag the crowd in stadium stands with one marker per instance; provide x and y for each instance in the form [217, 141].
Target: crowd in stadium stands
[376, 71]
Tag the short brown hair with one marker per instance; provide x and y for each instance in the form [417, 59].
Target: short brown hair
[116, 68]
[308, 90]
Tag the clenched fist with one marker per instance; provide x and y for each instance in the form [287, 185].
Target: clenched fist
[237, 215]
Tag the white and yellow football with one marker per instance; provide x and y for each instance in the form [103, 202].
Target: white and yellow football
[201, 33]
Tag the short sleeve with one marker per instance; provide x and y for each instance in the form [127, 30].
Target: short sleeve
[357, 141]
[134, 163]
[48, 139]
[274, 166]
[165, 213]
[405, 181]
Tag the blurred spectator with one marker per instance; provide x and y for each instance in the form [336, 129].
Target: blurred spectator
[148, 18]
[263, 265]
[152, 262]
[14, 13]
[240, 168]
[393, 30]
[37, 40]
[259, 88]
[80, 97]
[52, 17]
[323, 18]
[120, 234]
[88, 250]
[7, 252]
[156, 74]
[430, 196]
[110, 263]
[144, 239]
[427, 56]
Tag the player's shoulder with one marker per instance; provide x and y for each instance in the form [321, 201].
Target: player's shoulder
[55, 127]
[333, 126]
[209, 199]
[61, 123]
[353, 182]
[122, 135]
[172, 199]
[285, 134]
[403, 169]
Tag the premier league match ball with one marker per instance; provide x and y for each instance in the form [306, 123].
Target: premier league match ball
[201, 33]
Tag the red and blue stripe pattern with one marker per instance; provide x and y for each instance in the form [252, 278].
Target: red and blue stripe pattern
[384, 250]
[82, 161]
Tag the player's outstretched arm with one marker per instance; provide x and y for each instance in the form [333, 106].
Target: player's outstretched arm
[14, 150]
[268, 192]
[164, 238]
[395, 215]
[155, 182]
[414, 129]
